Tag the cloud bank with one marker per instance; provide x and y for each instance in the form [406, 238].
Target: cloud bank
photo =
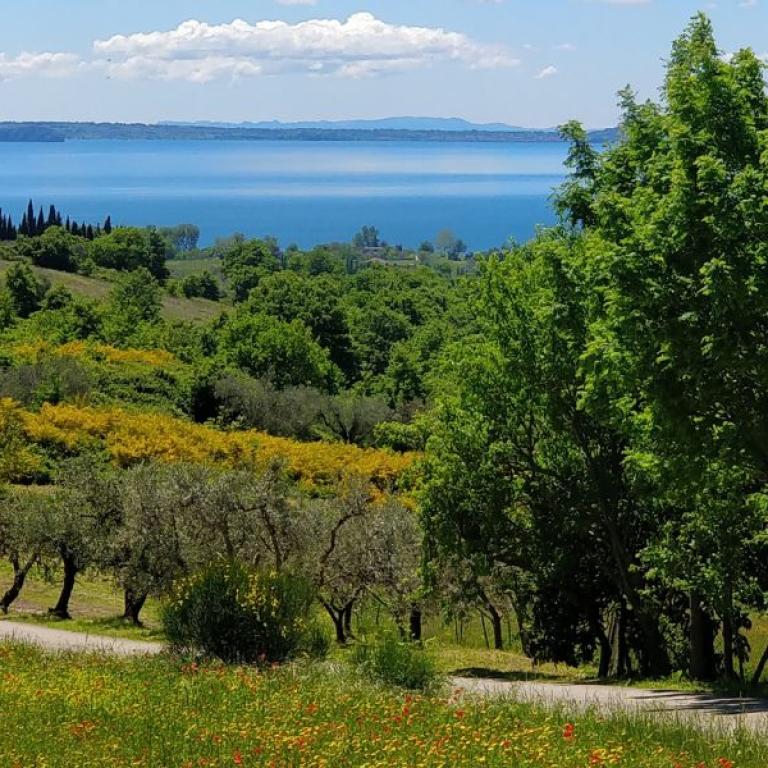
[359, 46]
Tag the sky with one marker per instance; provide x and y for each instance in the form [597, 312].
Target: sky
[534, 63]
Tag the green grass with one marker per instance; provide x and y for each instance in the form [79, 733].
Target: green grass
[96, 288]
[63, 711]
[180, 268]
[95, 607]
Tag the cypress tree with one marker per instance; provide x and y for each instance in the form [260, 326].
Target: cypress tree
[74, 228]
[108, 225]
[51, 221]
[30, 219]
[89, 232]
[68, 225]
[40, 227]
[24, 226]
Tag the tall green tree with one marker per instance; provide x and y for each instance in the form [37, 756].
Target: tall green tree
[676, 228]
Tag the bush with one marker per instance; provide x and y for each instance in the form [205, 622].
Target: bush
[240, 615]
[392, 661]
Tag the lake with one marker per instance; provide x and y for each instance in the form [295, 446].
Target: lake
[299, 192]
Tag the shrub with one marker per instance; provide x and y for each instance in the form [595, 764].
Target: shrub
[395, 662]
[240, 615]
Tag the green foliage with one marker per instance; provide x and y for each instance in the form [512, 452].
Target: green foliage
[183, 238]
[239, 615]
[246, 262]
[56, 249]
[283, 352]
[127, 249]
[202, 285]
[398, 436]
[49, 380]
[25, 290]
[133, 304]
[367, 237]
[396, 662]
[317, 302]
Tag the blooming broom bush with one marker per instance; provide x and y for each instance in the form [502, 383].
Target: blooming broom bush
[237, 614]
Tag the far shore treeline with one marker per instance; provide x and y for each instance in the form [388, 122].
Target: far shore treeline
[53, 132]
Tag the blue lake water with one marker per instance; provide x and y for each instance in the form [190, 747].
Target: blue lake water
[299, 192]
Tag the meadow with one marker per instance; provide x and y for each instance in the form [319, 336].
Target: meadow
[91, 711]
[173, 307]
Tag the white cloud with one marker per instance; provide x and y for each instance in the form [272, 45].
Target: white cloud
[549, 71]
[359, 46]
[45, 64]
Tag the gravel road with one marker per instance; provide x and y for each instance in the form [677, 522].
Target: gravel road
[698, 709]
[62, 640]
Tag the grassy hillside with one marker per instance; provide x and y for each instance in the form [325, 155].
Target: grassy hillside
[96, 288]
[180, 268]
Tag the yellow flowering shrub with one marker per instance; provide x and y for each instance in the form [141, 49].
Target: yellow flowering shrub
[17, 460]
[81, 350]
[134, 436]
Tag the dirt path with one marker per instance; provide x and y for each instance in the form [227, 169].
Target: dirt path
[696, 709]
[63, 640]
[699, 709]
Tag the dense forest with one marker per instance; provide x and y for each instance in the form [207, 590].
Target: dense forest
[569, 436]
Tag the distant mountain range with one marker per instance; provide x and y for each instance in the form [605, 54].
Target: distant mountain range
[386, 123]
[59, 132]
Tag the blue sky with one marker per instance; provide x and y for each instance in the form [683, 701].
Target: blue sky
[526, 62]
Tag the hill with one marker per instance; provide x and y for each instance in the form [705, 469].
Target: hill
[174, 308]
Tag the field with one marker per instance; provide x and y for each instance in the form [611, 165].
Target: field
[91, 711]
[94, 288]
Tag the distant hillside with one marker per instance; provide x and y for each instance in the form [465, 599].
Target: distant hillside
[174, 308]
[57, 132]
[387, 123]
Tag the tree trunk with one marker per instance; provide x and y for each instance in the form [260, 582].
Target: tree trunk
[654, 660]
[498, 629]
[337, 617]
[61, 609]
[620, 666]
[498, 633]
[760, 667]
[133, 603]
[415, 623]
[701, 642]
[728, 633]
[485, 631]
[348, 619]
[20, 573]
[606, 653]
